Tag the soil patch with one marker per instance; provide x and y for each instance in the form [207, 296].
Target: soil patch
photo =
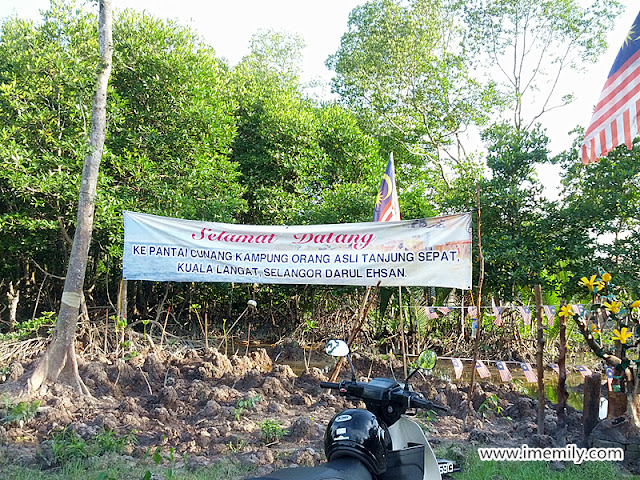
[207, 405]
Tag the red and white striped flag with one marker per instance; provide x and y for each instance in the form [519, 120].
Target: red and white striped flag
[529, 374]
[550, 311]
[615, 119]
[473, 312]
[585, 371]
[526, 314]
[444, 310]
[387, 207]
[497, 311]
[457, 367]
[503, 370]
[482, 369]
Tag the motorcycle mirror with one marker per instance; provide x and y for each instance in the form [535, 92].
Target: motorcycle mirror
[337, 348]
[426, 361]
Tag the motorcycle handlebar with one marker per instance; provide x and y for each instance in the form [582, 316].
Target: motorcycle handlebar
[401, 397]
[420, 402]
[331, 385]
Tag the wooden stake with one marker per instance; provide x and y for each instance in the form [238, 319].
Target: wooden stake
[106, 331]
[591, 402]
[462, 310]
[164, 327]
[206, 331]
[563, 395]
[540, 368]
[246, 353]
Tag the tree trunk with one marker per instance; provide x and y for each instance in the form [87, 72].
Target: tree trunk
[58, 363]
[14, 298]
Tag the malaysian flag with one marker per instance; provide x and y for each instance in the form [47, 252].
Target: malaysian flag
[457, 367]
[609, 372]
[473, 312]
[550, 311]
[482, 369]
[526, 314]
[431, 313]
[505, 374]
[615, 119]
[387, 207]
[585, 371]
[497, 311]
[529, 374]
[444, 310]
[578, 309]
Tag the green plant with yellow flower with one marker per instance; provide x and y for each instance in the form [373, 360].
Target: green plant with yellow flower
[611, 329]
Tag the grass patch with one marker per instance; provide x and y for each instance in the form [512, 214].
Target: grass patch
[474, 469]
[115, 467]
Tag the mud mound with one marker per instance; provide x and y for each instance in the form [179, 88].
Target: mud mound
[205, 404]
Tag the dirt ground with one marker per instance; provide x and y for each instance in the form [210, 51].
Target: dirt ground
[207, 405]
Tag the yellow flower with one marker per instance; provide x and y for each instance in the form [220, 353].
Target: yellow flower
[614, 306]
[622, 335]
[635, 304]
[595, 329]
[591, 283]
[565, 311]
[606, 277]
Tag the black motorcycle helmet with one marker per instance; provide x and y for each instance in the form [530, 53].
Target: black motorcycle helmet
[358, 433]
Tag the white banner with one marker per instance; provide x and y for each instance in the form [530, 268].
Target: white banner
[426, 252]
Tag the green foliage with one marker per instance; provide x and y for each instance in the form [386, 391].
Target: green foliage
[603, 202]
[192, 137]
[68, 447]
[490, 407]
[167, 147]
[158, 459]
[501, 35]
[108, 441]
[248, 403]
[112, 467]
[474, 469]
[428, 415]
[271, 431]
[400, 66]
[300, 163]
[19, 413]
[28, 328]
